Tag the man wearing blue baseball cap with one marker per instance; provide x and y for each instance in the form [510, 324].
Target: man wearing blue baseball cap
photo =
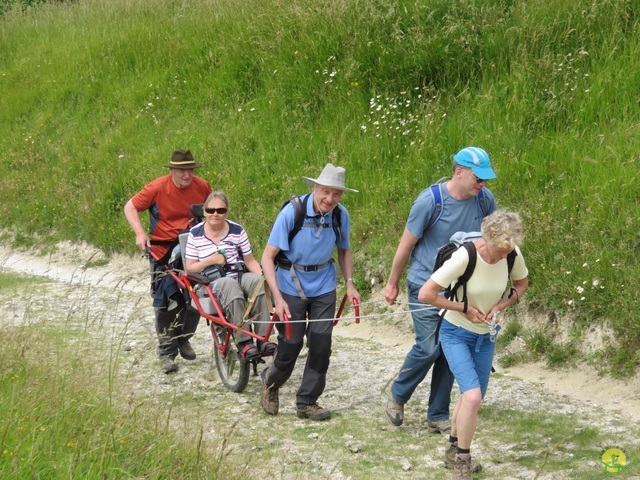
[458, 205]
[477, 160]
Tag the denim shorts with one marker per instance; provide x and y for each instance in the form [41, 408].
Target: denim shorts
[469, 354]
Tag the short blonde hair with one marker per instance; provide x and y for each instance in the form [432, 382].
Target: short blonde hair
[503, 229]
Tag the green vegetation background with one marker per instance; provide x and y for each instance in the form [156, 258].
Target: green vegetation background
[95, 95]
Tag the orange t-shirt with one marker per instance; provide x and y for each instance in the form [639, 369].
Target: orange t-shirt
[169, 207]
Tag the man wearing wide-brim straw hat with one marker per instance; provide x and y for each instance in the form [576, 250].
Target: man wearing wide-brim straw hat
[298, 267]
[168, 199]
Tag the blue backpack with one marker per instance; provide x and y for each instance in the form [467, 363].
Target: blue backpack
[436, 191]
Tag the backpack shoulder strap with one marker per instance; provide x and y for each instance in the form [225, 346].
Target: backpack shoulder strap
[300, 211]
[466, 275]
[337, 222]
[483, 203]
[473, 258]
[511, 258]
[437, 200]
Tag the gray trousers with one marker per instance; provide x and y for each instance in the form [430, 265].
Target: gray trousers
[318, 341]
[233, 296]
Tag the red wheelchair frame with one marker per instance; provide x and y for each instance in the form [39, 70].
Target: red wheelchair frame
[232, 369]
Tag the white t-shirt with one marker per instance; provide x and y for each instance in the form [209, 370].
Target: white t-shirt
[485, 288]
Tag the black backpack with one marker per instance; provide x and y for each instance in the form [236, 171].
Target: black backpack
[300, 214]
[464, 240]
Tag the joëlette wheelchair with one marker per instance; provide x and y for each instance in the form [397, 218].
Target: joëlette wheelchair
[234, 371]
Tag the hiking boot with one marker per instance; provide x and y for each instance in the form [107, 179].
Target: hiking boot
[186, 351]
[394, 411]
[313, 412]
[439, 426]
[462, 467]
[267, 348]
[269, 399]
[248, 351]
[450, 458]
[168, 365]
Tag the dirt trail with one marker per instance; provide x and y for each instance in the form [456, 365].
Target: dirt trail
[114, 298]
[580, 384]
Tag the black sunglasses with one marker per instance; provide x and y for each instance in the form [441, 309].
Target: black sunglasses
[220, 211]
[478, 179]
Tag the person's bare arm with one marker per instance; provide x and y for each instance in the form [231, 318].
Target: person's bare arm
[400, 259]
[346, 265]
[133, 217]
[269, 269]
[252, 264]
[196, 266]
[429, 294]
[516, 292]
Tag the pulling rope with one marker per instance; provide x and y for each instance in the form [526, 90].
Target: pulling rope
[246, 320]
[362, 317]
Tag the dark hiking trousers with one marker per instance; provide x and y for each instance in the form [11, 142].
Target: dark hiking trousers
[318, 335]
[174, 329]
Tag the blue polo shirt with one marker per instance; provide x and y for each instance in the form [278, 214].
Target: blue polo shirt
[457, 216]
[313, 245]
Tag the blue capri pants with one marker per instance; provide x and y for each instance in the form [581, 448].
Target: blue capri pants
[470, 356]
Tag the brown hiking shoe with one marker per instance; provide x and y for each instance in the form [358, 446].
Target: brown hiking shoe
[269, 400]
[439, 426]
[462, 467]
[186, 351]
[313, 412]
[168, 365]
[394, 411]
[450, 458]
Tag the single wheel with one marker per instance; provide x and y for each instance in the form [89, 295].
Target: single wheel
[233, 371]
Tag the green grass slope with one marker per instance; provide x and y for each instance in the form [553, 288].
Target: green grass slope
[94, 96]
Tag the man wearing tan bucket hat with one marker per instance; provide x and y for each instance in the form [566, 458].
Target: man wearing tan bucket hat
[300, 272]
[168, 200]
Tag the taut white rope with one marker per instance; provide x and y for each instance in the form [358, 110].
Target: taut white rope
[362, 317]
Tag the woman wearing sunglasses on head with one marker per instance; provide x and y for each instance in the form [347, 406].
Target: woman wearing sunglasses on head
[220, 242]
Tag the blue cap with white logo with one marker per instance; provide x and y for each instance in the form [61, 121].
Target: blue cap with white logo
[477, 160]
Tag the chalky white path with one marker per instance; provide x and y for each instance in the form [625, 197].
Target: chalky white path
[67, 264]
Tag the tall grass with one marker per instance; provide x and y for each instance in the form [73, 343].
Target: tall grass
[63, 412]
[265, 92]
